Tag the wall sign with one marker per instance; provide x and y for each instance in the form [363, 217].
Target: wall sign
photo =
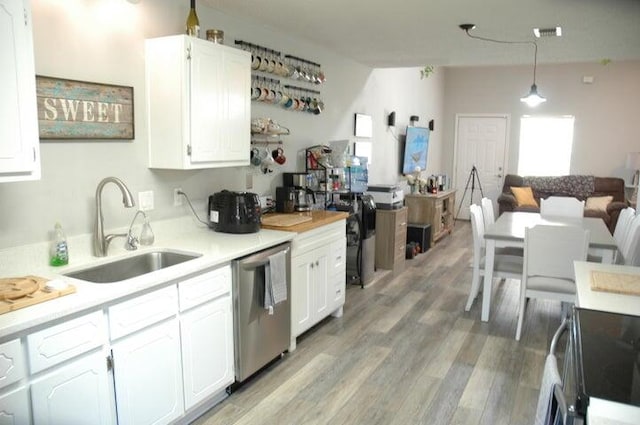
[69, 109]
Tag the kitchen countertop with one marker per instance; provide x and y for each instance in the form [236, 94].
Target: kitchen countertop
[318, 218]
[605, 412]
[181, 234]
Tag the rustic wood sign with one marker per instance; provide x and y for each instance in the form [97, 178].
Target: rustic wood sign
[69, 109]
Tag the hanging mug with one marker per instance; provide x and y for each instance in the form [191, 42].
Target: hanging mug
[256, 158]
[278, 156]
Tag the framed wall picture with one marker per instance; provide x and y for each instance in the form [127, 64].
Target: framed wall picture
[363, 126]
[69, 109]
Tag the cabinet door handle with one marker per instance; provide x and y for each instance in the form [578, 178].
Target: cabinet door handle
[317, 263]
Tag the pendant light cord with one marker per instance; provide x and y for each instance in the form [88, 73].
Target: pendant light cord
[494, 40]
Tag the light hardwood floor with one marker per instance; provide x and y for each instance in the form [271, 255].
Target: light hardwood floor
[406, 352]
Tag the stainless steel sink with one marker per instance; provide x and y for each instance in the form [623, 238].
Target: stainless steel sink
[131, 267]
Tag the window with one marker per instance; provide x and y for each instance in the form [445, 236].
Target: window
[545, 146]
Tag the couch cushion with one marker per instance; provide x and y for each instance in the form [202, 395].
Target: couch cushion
[524, 196]
[598, 202]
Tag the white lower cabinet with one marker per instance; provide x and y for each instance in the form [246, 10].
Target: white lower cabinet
[207, 349]
[318, 277]
[147, 366]
[77, 393]
[309, 273]
[148, 377]
[14, 407]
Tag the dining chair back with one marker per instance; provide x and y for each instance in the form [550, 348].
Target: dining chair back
[505, 266]
[631, 248]
[549, 253]
[487, 212]
[561, 206]
[621, 231]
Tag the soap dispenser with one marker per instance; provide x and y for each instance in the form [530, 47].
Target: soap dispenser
[59, 249]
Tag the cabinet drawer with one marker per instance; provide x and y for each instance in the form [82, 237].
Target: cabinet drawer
[12, 364]
[64, 341]
[204, 287]
[142, 311]
[337, 255]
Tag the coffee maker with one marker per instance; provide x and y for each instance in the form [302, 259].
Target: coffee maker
[294, 195]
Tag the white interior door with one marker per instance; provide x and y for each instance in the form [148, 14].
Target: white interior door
[481, 141]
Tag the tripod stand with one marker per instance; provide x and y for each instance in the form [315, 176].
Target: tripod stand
[473, 176]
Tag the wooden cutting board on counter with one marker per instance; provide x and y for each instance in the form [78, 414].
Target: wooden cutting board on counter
[25, 291]
[618, 283]
[284, 220]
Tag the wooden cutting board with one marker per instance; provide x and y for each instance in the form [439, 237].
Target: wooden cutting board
[284, 220]
[618, 283]
[25, 291]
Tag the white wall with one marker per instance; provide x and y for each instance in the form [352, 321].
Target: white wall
[103, 41]
[606, 112]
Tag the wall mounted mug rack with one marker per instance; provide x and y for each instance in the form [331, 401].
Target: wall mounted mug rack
[265, 59]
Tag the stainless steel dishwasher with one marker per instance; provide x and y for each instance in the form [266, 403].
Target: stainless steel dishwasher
[259, 337]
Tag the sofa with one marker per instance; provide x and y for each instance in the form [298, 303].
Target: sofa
[578, 186]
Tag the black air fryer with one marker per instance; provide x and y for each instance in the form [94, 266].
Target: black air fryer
[234, 212]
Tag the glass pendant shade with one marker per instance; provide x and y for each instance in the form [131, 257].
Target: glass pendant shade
[533, 98]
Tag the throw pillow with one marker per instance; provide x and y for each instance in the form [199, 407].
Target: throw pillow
[524, 196]
[598, 203]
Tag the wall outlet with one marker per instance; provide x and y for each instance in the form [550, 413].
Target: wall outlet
[145, 200]
[248, 181]
[177, 197]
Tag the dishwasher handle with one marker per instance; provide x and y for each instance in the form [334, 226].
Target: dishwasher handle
[261, 258]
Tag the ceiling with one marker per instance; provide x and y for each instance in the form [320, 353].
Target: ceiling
[405, 33]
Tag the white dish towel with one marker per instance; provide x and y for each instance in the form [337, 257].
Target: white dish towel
[550, 377]
[275, 280]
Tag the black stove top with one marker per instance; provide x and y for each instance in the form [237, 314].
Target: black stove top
[607, 355]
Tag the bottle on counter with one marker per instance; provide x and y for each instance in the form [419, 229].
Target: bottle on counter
[193, 23]
[59, 249]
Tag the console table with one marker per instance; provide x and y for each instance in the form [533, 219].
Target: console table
[435, 209]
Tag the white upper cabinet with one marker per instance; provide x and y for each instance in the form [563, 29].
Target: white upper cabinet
[198, 103]
[19, 143]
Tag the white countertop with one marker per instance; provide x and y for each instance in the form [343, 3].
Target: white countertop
[604, 412]
[182, 234]
[604, 301]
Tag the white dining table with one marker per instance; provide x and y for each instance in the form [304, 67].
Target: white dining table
[509, 228]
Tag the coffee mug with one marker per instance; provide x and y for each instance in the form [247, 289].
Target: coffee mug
[255, 62]
[256, 158]
[278, 156]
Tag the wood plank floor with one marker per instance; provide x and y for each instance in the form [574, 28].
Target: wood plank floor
[406, 352]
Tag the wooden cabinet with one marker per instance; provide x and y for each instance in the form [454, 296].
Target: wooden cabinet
[198, 103]
[434, 209]
[391, 239]
[19, 142]
[206, 329]
[318, 276]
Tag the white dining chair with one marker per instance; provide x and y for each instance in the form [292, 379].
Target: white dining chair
[549, 253]
[630, 250]
[505, 266]
[621, 232]
[561, 206]
[488, 218]
[488, 215]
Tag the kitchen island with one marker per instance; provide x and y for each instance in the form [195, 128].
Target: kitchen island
[601, 411]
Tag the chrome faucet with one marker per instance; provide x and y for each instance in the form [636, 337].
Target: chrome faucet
[100, 241]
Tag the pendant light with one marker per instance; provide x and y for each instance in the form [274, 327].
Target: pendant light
[533, 98]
